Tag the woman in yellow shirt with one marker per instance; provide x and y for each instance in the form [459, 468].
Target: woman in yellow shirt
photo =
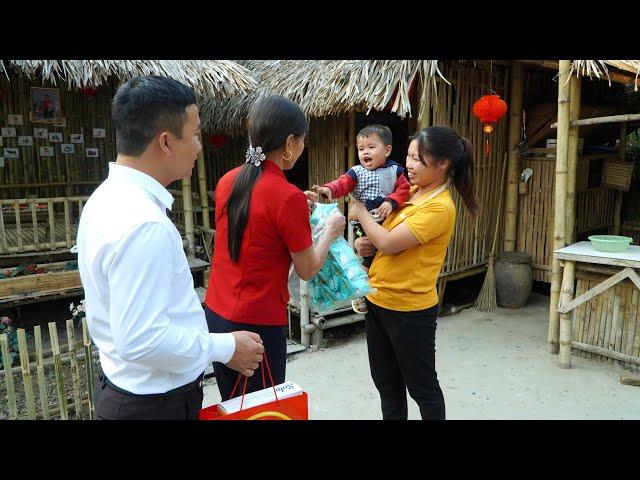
[412, 244]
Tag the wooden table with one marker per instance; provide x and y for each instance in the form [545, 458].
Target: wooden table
[583, 252]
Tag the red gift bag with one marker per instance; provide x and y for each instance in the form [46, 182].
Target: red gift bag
[292, 408]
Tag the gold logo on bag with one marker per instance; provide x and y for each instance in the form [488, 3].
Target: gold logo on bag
[260, 415]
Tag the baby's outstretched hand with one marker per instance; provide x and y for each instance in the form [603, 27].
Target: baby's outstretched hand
[323, 191]
[384, 210]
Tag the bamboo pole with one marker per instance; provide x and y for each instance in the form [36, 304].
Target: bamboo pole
[600, 120]
[204, 202]
[515, 126]
[621, 155]
[26, 374]
[6, 362]
[560, 195]
[568, 280]
[3, 234]
[187, 202]
[44, 399]
[67, 222]
[62, 393]
[90, 370]
[52, 225]
[204, 198]
[75, 372]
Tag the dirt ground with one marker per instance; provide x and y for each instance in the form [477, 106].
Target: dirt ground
[490, 366]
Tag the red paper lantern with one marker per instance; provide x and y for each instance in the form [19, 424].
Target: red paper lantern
[217, 141]
[489, 109]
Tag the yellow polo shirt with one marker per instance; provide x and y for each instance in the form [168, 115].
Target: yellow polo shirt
[406, 281]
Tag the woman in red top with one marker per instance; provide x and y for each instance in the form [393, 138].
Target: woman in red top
[262, 225]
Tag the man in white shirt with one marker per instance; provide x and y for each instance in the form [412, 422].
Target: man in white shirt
[142, 311]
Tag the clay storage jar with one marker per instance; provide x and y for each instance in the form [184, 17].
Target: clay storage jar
[514, 279]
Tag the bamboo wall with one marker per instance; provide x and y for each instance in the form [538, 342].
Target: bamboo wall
[595, 208]
[611, 320]
[60, 175]
[328, 150]
[471, 241]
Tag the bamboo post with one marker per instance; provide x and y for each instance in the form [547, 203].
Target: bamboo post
[62, 392]
[44, 399]
[52, 224]
[67, 222]
[89, 362]
[621, 155]
[8, 378]
[75, 372]
[204, 198]
[568, 278]
[16, 208]
[305, 338]
[189, 229]
[3, 234]
[26, 374]
[559, 220]
[513, 175]
[34, 219]
[204, 202]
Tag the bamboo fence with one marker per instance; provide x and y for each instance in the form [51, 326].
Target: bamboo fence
[610, 321]
[33, 367]
[39, 224]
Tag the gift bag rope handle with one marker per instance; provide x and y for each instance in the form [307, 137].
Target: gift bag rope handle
[246, 379]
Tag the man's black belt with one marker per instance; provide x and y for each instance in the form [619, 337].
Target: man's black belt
[197, 383]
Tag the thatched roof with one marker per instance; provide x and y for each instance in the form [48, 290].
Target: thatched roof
[598, 68]
[323, 87]
[208, 78]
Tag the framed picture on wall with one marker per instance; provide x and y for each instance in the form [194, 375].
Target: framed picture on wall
[91, 152]
[8, 132]
[99, 133]
[77, 138]
[46, 151]
[25, 141]
[13, 119]
[67, 148]
[11, 153]
[40, 133]
[45, 105]
[55, 137]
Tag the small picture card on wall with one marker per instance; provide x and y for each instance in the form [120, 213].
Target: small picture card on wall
[40, 133]
[67, 148]
[8, 132]
[55, 137]
[46, 151]
[77, 138]
[91, 152]
[14, 119]
[99, 133]
[25, 141]
[11, 153]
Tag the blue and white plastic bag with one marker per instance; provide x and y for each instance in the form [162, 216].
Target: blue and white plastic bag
[341, 278]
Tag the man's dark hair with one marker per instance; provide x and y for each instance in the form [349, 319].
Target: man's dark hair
[144, 107]
[381, 131]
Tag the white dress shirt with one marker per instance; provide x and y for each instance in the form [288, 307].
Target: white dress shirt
[142, 310]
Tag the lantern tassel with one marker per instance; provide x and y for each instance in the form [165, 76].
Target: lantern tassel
[486, 148]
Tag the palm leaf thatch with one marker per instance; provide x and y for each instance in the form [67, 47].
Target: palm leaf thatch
[323, 87]
[598, 68]
[208, 78]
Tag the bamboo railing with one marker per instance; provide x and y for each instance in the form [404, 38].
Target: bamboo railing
[18, 234]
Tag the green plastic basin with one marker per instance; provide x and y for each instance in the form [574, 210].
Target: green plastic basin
[610, 243]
